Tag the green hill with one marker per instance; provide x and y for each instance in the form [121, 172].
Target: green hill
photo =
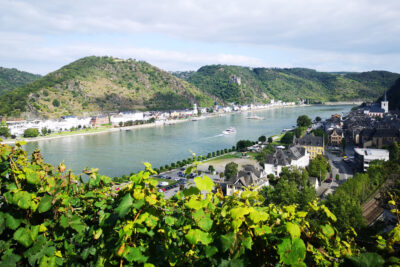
[101, 84]
[245, 85]
[12, 78]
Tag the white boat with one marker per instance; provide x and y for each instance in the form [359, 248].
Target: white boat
[255, 118]
[230, 130]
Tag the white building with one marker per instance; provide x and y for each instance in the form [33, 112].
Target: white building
[364, 156]
[126, 116]
[295, 156]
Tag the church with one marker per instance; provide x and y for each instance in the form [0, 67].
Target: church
[375, 110]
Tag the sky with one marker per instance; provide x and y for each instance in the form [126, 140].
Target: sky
[332, 35]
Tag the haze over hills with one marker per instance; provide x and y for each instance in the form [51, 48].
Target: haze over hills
[93, 85]
[12, 78]
[245, 85]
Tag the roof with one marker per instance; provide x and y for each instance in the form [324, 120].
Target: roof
[285, 157]
[248, 176]
[311, 140]
[372, 154]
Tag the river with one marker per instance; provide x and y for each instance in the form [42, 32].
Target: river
[123, 152]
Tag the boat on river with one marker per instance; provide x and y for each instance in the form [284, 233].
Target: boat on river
[255, 117]
[230, 130]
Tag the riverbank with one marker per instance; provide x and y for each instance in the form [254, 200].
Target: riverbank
[357, 103]
[141, 126]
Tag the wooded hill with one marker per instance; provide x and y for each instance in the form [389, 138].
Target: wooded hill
[93, 85]
[12, 78]
[246, 85]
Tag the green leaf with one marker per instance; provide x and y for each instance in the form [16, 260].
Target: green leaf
[170, 220]
[125, 205]
[210, 251]
[292, 253]
[328, 213]
[191, 191]
[45, 203]
[204, 183]
[367, 260]
[195, 204]
[10, 260]
[11, 222]
[23, 236]
[327, 230]
[32, 176]
[2, 222]
[196, 235]
[134, 254]
[22, 199]
[76, 224]
[227, 241]
[237, 213]
[138, 203]
[293, 229]
[203, 220]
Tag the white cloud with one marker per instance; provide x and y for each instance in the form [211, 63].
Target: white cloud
[362, 32]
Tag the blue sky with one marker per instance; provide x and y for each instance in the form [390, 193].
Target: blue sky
[331, 35]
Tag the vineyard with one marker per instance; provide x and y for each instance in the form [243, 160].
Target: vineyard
[51, 217]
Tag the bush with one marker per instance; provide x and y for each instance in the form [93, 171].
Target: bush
[56, 103]
[31, 132]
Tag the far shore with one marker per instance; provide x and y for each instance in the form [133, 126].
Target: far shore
[148, 125]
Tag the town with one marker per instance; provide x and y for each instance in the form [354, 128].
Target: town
[20, 127]
[347, 144]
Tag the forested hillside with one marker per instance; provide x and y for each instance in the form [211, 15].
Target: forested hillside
[93, 85]
[246, 85]
[12, 78]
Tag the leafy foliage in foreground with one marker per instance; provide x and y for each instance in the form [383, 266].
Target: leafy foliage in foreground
[50, 217]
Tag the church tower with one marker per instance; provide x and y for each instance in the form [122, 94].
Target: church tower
[385, 104]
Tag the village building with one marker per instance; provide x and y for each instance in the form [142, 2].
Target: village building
[364, 156]
[335, 136]
[377, 137]
[99, 120]
[249, 176]
[314, 145]
[295, 156]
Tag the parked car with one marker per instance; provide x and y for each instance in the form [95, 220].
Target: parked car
[168, 177]
[328, 180]
[192, 175]
[181, 174]
[182, 169]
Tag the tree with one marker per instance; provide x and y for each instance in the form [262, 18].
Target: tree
[319, 167]
[287, 139]
[211, 168]
[304, 121]
[262, 138]
[44, 131]
[242, 145]
[270, 139]
[56, 103]
[261, 156]
[394, 152]
[298, 132]
[4, 131]
[231, 169]
[31, 132]
[318, 119]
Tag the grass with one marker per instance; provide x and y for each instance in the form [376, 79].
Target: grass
[223, 157]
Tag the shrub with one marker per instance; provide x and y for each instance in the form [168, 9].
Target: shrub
[31, 132]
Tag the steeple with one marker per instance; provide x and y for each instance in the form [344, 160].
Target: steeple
[385, 103]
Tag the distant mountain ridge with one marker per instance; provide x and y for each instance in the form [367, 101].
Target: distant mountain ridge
[93, 85]
[13, 78]
[245, 85]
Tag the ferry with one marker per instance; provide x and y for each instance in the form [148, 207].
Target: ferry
[255, 118]
[230, 130]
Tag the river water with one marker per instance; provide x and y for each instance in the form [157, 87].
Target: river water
[123, 152]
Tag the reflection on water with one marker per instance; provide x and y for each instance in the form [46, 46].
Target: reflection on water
[123, 152]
